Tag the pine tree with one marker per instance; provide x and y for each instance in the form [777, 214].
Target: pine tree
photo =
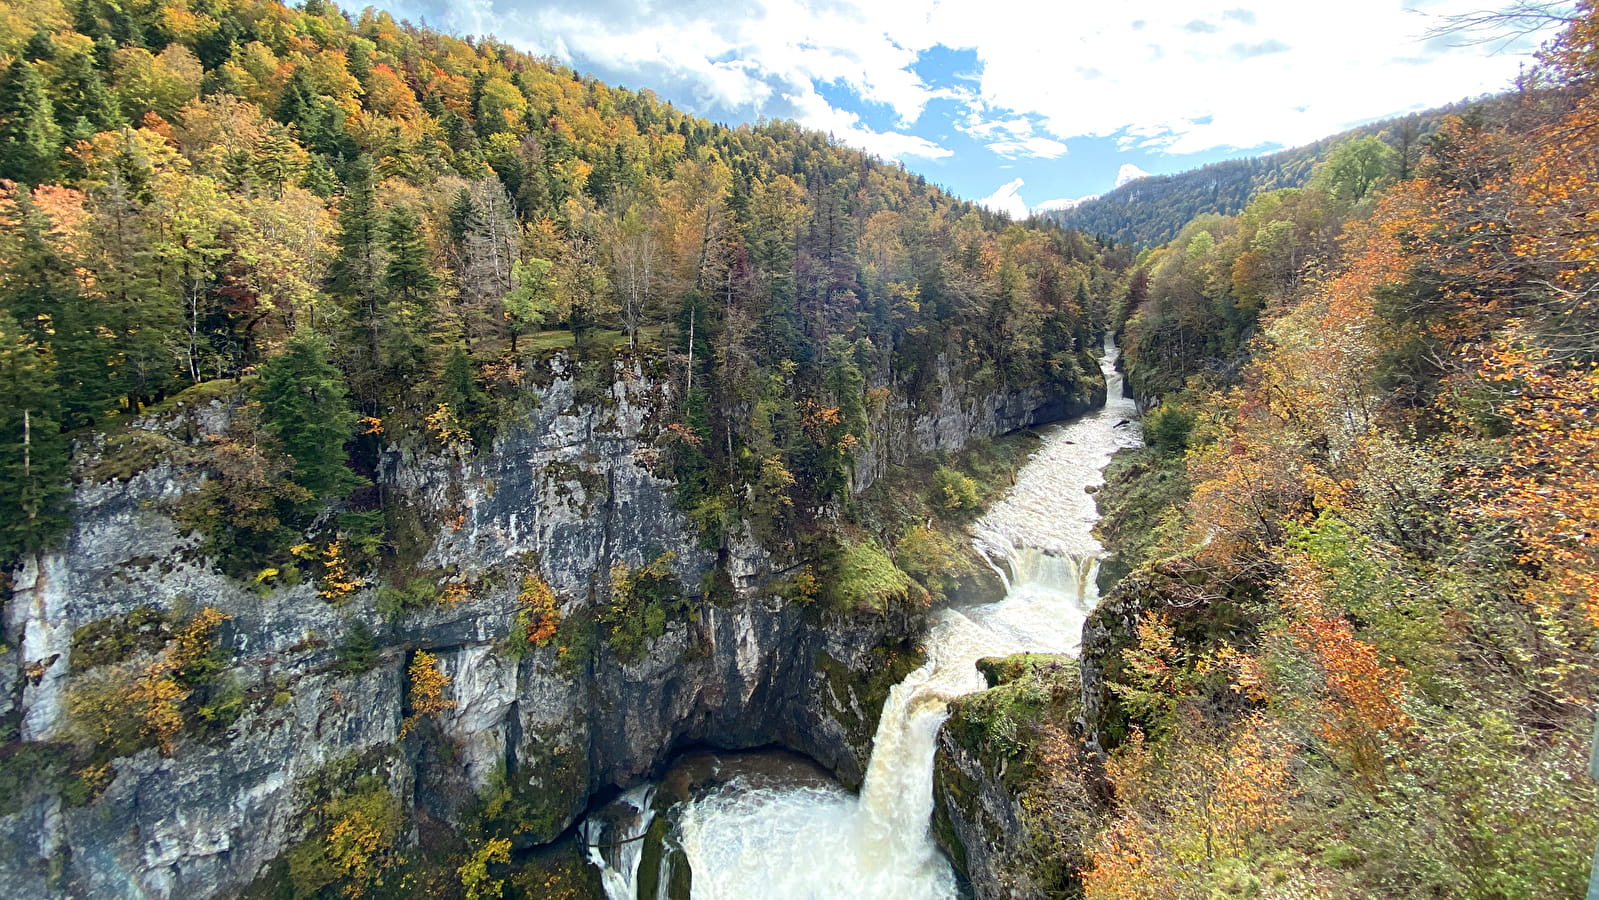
[33, 453]
[41, 291]
[275, 162]
[408, 277]
[39, 47]
[30, 140]
[407, 305]
[458, 388]
[87, 106]
[356, 272]
[303, 403]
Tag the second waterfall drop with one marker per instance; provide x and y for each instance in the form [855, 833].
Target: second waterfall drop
[818, 841]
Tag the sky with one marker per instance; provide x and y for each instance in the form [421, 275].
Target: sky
[1020, 104]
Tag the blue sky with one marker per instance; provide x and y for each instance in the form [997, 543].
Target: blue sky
[1019, 103]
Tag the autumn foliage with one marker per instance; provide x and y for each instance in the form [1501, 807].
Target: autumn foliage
[1364, 664]
[427, 687]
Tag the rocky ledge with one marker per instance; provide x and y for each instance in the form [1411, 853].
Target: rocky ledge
[314, 713]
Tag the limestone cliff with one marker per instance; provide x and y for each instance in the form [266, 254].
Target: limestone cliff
[567, 491]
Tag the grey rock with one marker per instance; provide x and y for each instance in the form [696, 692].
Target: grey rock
[567, 489]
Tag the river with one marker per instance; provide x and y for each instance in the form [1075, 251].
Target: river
[807, 838]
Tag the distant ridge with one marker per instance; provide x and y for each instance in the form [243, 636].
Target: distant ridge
[1150, 211]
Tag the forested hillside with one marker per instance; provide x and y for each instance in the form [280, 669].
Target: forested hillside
[376, 228]
[1354, 656]
[1151, 210]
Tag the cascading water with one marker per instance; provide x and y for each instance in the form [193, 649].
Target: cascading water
[615, 842]
[816, 841]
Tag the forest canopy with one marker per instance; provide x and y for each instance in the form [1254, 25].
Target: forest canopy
[194, 188]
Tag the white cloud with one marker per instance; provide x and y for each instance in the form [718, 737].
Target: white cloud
[1129, 172]
[1063, 204]
[816, 112]
[1013, 137]
[1179, 75]
[1008, 200]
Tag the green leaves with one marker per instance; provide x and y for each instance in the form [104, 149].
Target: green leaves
[303, 404]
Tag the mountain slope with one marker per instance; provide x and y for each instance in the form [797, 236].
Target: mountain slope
[1150, 211]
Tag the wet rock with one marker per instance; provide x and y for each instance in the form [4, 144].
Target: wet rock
[568, 490]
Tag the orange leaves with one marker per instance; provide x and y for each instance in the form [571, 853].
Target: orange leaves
[1361, 707]
[427, 690]
[816, 418]
[1548, 484]
[337, 582]
[538, 610]
[1185, 806]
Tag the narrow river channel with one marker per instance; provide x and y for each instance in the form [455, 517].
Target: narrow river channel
[802, 837]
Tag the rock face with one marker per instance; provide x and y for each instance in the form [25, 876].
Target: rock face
[567, 491]
[1014, 785]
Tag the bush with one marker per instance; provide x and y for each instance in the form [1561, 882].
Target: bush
[955, 493]
[641, 601]
[864, 577]
[358, 651]
[1167, 427]
[353, 845]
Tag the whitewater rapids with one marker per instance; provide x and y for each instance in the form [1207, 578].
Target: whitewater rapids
[817, 841]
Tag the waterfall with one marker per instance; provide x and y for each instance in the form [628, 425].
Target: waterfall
[814, 842]
[615, 840]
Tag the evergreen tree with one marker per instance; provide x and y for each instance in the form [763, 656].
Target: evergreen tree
[408, 277]
[87, 106]
[459, 389]
[41, 291]
[407, 306]
[33, 453]
[275, 162]
[30, 140]
[356, 272]
[39, 47]
[86, 19]
[303, 403]
[355, 278]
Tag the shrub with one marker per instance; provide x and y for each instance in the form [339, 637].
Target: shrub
[864, 577]
[955, 493]
[641, 601]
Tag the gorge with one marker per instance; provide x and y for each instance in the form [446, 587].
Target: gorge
[757, 836]
[568, 485]
[429, 470]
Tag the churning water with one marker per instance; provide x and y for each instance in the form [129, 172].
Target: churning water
[816, 841]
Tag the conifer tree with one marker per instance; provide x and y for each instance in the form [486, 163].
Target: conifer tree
[275, 162]
[30, 140]
[303, 403]
[408, 277]
[33, 453]
[87, 106]
[407, 305]
[39, 47]
[41, 292]
[357, 271]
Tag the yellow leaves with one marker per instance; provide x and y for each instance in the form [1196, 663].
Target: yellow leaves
[1548, 483]
[354, 842]
[1184, 807]
[443, 424]
[116, 706]
[776, 479]
[538, 610]
[474, 873]
[427, 690]
[337, 581]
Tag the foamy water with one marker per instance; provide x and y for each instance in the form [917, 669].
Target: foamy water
[818, 842]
